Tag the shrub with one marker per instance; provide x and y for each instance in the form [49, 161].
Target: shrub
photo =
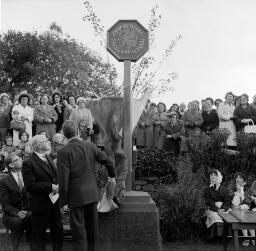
[155, 162]
[181, 205]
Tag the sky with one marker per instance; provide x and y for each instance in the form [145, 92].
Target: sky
[217, 52]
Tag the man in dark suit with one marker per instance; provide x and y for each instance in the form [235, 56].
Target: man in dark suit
[40, 178]
[172, 134]
[13, 199]
[78, 187]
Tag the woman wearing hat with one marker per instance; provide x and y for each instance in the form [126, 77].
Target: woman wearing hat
[217, 198]
[226, 118]
[4, 99]
[82, 113]
[22, 111]
[45, 118]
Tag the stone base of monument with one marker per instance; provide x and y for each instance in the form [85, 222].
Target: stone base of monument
[134, 226]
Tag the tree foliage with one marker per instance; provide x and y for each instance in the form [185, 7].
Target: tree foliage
[145, 72]
[49, 61]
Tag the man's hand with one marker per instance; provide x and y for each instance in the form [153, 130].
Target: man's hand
[168, 136]
[110, 188]
[55, 188]
[22, 214]
[221, 210]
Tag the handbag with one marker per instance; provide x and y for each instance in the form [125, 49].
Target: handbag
[17, 125]
[250, 128]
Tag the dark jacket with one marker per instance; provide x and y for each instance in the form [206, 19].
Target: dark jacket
[12, 199]
[76, 172]
[211, 196]
[38, 179]
[241, 113]
[211, 120]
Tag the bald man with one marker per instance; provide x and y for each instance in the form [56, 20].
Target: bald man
[40, 179]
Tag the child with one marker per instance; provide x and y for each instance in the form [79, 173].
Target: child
[6, 150]
[49, 142]
[83, 130]
[57, 144]
[250, 206]
[24, 146]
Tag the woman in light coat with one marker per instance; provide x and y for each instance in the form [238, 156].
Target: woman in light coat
[226, 118]
[22, 111]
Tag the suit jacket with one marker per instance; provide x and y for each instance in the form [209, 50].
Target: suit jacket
[38, 178]
[11, 198]
[76, 172]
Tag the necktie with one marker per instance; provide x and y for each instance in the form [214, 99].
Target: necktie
[20, 183]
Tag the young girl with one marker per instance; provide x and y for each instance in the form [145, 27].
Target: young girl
[6, 150]
[24, 146]
[241, 199]
[57, 144]
[83, 130]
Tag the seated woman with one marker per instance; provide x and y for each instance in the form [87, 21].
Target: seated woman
[216, 199]
[239, 192]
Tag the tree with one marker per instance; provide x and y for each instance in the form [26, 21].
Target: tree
[145, 71]
[49, 61]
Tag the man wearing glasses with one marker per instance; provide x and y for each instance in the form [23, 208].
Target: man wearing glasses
[40, 178]
[17, 215]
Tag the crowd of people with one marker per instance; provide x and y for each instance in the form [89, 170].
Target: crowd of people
[48, 136]
[26, 116]
[169, 128]
[49, 160]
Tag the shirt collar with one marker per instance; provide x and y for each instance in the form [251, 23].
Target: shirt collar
[75, 137]
[40, 155]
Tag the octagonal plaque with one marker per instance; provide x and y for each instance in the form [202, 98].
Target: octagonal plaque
[127, 40]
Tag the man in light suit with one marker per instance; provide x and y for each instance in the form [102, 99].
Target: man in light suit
[78, 186]
[40, 178]
[13, 198]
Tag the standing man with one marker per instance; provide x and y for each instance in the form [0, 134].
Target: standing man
[14, 202]
[78, 187]
[40, 178]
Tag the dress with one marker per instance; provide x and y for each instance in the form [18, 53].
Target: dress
[145, 129]
[225, 112]
[214, 200]
[160, 119]
[19, 111]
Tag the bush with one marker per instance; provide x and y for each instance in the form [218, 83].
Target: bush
[181, 205]
[155, 162]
